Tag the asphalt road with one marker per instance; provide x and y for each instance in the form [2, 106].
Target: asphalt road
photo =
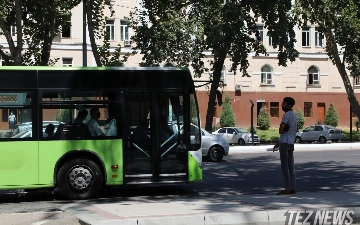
[238, 173]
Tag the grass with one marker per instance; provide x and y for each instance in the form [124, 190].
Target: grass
[271, 135]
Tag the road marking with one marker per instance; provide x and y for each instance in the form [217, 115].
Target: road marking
[41, 222]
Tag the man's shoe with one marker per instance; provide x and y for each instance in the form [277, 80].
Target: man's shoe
[284, 192]
[293, 192]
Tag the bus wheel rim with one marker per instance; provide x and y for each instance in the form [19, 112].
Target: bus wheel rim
[80, 178]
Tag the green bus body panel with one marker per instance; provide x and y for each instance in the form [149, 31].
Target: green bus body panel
[194, 169]
[31, 164]
[18, 163]
[109, 151]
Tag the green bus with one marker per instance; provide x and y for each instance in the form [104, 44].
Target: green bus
[121, 99]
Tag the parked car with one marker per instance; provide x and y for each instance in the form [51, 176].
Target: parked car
[320, 133]
[24, 130]
[213, 147]
[237, 135]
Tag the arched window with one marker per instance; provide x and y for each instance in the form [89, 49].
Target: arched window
[266, 75]
[313, 76]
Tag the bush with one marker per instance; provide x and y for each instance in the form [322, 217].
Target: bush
[227, 117]
[263, 119]
[300, 118]
[357, 125]
[331, 116]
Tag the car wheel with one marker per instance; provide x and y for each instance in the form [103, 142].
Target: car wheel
[79, 178]
[215, 154]
[298, 139]
[241, 141]
[322, 140]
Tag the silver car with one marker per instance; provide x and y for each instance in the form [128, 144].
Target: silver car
[236, 135]
[213, 146]
[320, 133]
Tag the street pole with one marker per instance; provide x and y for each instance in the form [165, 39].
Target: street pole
[252, 121]
[84, 48]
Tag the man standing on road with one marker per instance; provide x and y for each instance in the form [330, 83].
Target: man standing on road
[287, 131]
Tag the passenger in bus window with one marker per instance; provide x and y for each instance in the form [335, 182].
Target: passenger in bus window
[49, 130]
[93, 123]
[12, 120]
[81, 117]
[110, 126]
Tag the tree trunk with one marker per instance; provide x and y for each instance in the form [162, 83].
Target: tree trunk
[91, 27]
[214, 86]
[342, 70]
[17, 54]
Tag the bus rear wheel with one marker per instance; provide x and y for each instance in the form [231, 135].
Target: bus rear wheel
[79, 178]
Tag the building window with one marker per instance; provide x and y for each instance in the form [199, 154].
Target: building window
[270, 41]
[223, 75]
[13, 30]
[124, 30]
[67, 62]
[266, 75]
[261, 33]
[319, 38]
[306, 37]
[307, 109]
[274, 109]
[110, 30]
[356, 81]
[313, 76]
[66, 30]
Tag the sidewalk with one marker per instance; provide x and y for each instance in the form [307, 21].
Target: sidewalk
[252, 209]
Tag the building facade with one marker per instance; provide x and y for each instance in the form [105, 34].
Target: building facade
[312, 80]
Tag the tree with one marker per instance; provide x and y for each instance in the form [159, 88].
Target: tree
[227, 117]
[300, 119]
[331, 116]
[263, 119]
[96, 22]
[182, 31]
[10, 16]
[339, 22]
[43, 21]
[36, 23]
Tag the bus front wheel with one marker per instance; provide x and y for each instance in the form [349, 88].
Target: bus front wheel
[79, 178]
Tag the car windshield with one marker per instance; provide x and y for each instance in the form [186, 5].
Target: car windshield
[241, 130]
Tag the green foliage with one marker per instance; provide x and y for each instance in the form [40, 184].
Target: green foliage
[300, 118]
[263, 119]
[357, 125]
[37, 23]
[182, 31]
[227, 117]
[63, 116]
[319, 122]
[331, 116]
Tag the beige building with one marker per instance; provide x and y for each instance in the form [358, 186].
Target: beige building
[312, 79]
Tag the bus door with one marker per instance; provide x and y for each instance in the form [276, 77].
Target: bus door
[153, 151]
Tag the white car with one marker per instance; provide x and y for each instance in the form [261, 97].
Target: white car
[237, 135]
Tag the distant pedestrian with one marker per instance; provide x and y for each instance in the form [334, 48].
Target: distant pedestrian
[287, 131]
[12, 120]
